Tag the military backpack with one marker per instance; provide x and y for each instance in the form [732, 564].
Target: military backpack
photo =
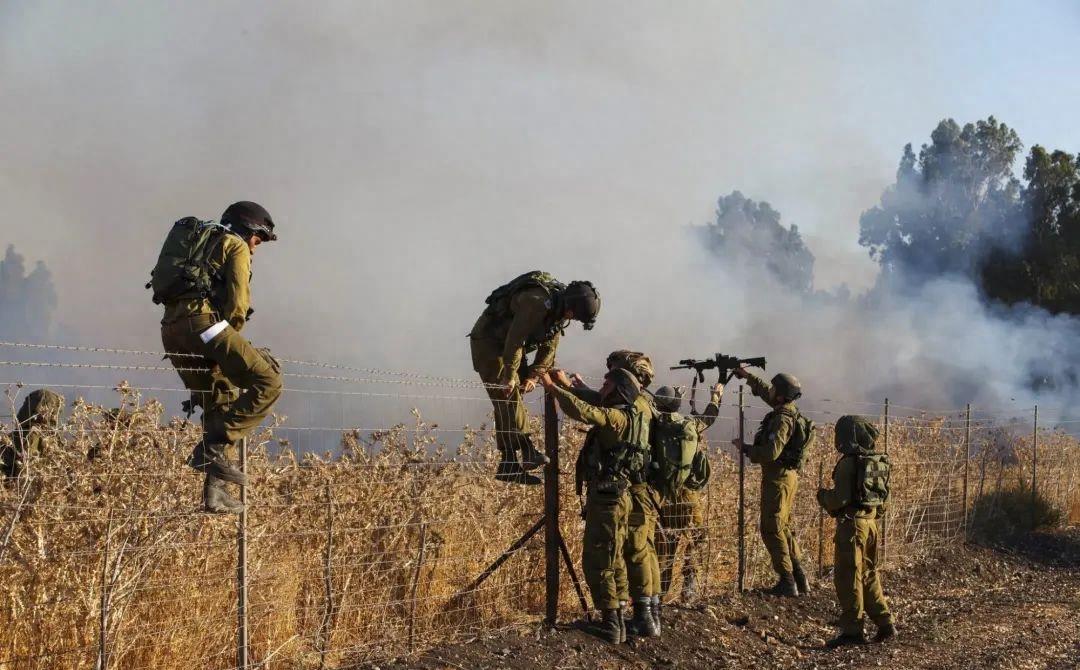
[629, 461]
[674, 441]
[799, 444]
[871, 479]
[183, 268]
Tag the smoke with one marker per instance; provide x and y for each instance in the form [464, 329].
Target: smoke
[418, 154]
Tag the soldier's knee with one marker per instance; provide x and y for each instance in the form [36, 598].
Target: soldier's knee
[770, 525]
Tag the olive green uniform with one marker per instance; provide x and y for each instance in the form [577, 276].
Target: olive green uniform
[855, 575]
[778, 483]
[35, 430]
[499, 349]
[684, 517]
[610, 503]
[215, 371]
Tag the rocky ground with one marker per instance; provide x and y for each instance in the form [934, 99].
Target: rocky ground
[972, 607]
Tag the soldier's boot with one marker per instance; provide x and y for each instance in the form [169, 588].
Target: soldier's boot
[800, 578]
[216, 499]
[510, 470]
[689, 586]
[197, 459]
[885, 632]
[530, 457]
[656, 609]
[785, 586]
[608, 628]
[217, 464]
[642, 624]
[845, 639]
[622, 623]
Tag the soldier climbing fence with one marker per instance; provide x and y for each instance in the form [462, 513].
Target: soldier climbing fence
[369, 537]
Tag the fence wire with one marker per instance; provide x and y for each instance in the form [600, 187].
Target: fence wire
[373, 510]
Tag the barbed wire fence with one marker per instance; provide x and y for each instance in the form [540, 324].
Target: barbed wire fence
[366, 539]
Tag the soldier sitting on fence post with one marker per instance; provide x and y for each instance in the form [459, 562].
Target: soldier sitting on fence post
[35, 427]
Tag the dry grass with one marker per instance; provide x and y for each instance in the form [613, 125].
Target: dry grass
[365, 556]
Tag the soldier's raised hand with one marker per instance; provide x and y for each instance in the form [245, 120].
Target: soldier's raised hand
[560, 378]
[740, 372]
[717, 393]
[528, 385]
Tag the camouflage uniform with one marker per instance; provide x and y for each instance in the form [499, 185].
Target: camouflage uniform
[499, 349]
[855, 575]
[609, 504]
[36, 423]
[778, 483]
[684, 517]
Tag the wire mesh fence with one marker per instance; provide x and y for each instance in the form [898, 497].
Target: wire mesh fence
[368, 536]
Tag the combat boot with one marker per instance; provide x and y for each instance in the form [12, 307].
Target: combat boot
[197, 459]
[845, 639]
[608, 628]
[217, 500]
[689, 586]
[800, 578]
[642, 624]
[885, 632]
[216, 464]
[622, 623]
[530, 457]
[656, 609]
[785, 587]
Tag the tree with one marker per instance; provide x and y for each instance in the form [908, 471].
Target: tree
[950, 205]
[748, 232]
[27, 302]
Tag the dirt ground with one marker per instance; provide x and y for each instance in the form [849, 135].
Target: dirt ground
[972, 607]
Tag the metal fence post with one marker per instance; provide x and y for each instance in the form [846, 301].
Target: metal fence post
[1034, 461]
[885, 518]
[241, 570]
[551, 510]
[742, 492]
[967, 459]
[821, 523]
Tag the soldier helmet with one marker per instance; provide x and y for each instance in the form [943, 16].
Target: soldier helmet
[250, 217]
[625, 383]
[668, 399]
[855, 434]
[787, 385]
[583, 301]
[636, 362]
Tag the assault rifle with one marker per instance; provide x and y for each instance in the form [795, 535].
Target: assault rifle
[724, 365]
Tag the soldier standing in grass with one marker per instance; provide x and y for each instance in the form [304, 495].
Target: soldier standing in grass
[614, 458]
[527, 315]
[202, 278]
[780, 447]
[35, 427]
[857, 500]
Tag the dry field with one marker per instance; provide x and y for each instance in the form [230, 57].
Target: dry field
[105, 559]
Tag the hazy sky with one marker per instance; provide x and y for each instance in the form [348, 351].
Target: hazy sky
[416, 154]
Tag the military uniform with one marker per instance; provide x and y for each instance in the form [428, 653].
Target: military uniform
[855, 574]
[778, 483]
[683, 517]
[216, 370]
[500, 344]
[36, 423]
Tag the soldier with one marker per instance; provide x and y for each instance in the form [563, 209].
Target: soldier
[527, 315]
[202, 278]
[857, 500]
[779, 447]
[614, 458]
[36, 423]
[681, 512]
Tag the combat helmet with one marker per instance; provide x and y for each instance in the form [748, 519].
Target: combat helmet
[250, 217]
[583, 301]
[787, 386]
[667, 399]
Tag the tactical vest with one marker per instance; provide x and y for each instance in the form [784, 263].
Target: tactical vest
[626, 463]
[498, 304]
[674, 446]
[183, 269]
[871, 485]
[799, 442]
